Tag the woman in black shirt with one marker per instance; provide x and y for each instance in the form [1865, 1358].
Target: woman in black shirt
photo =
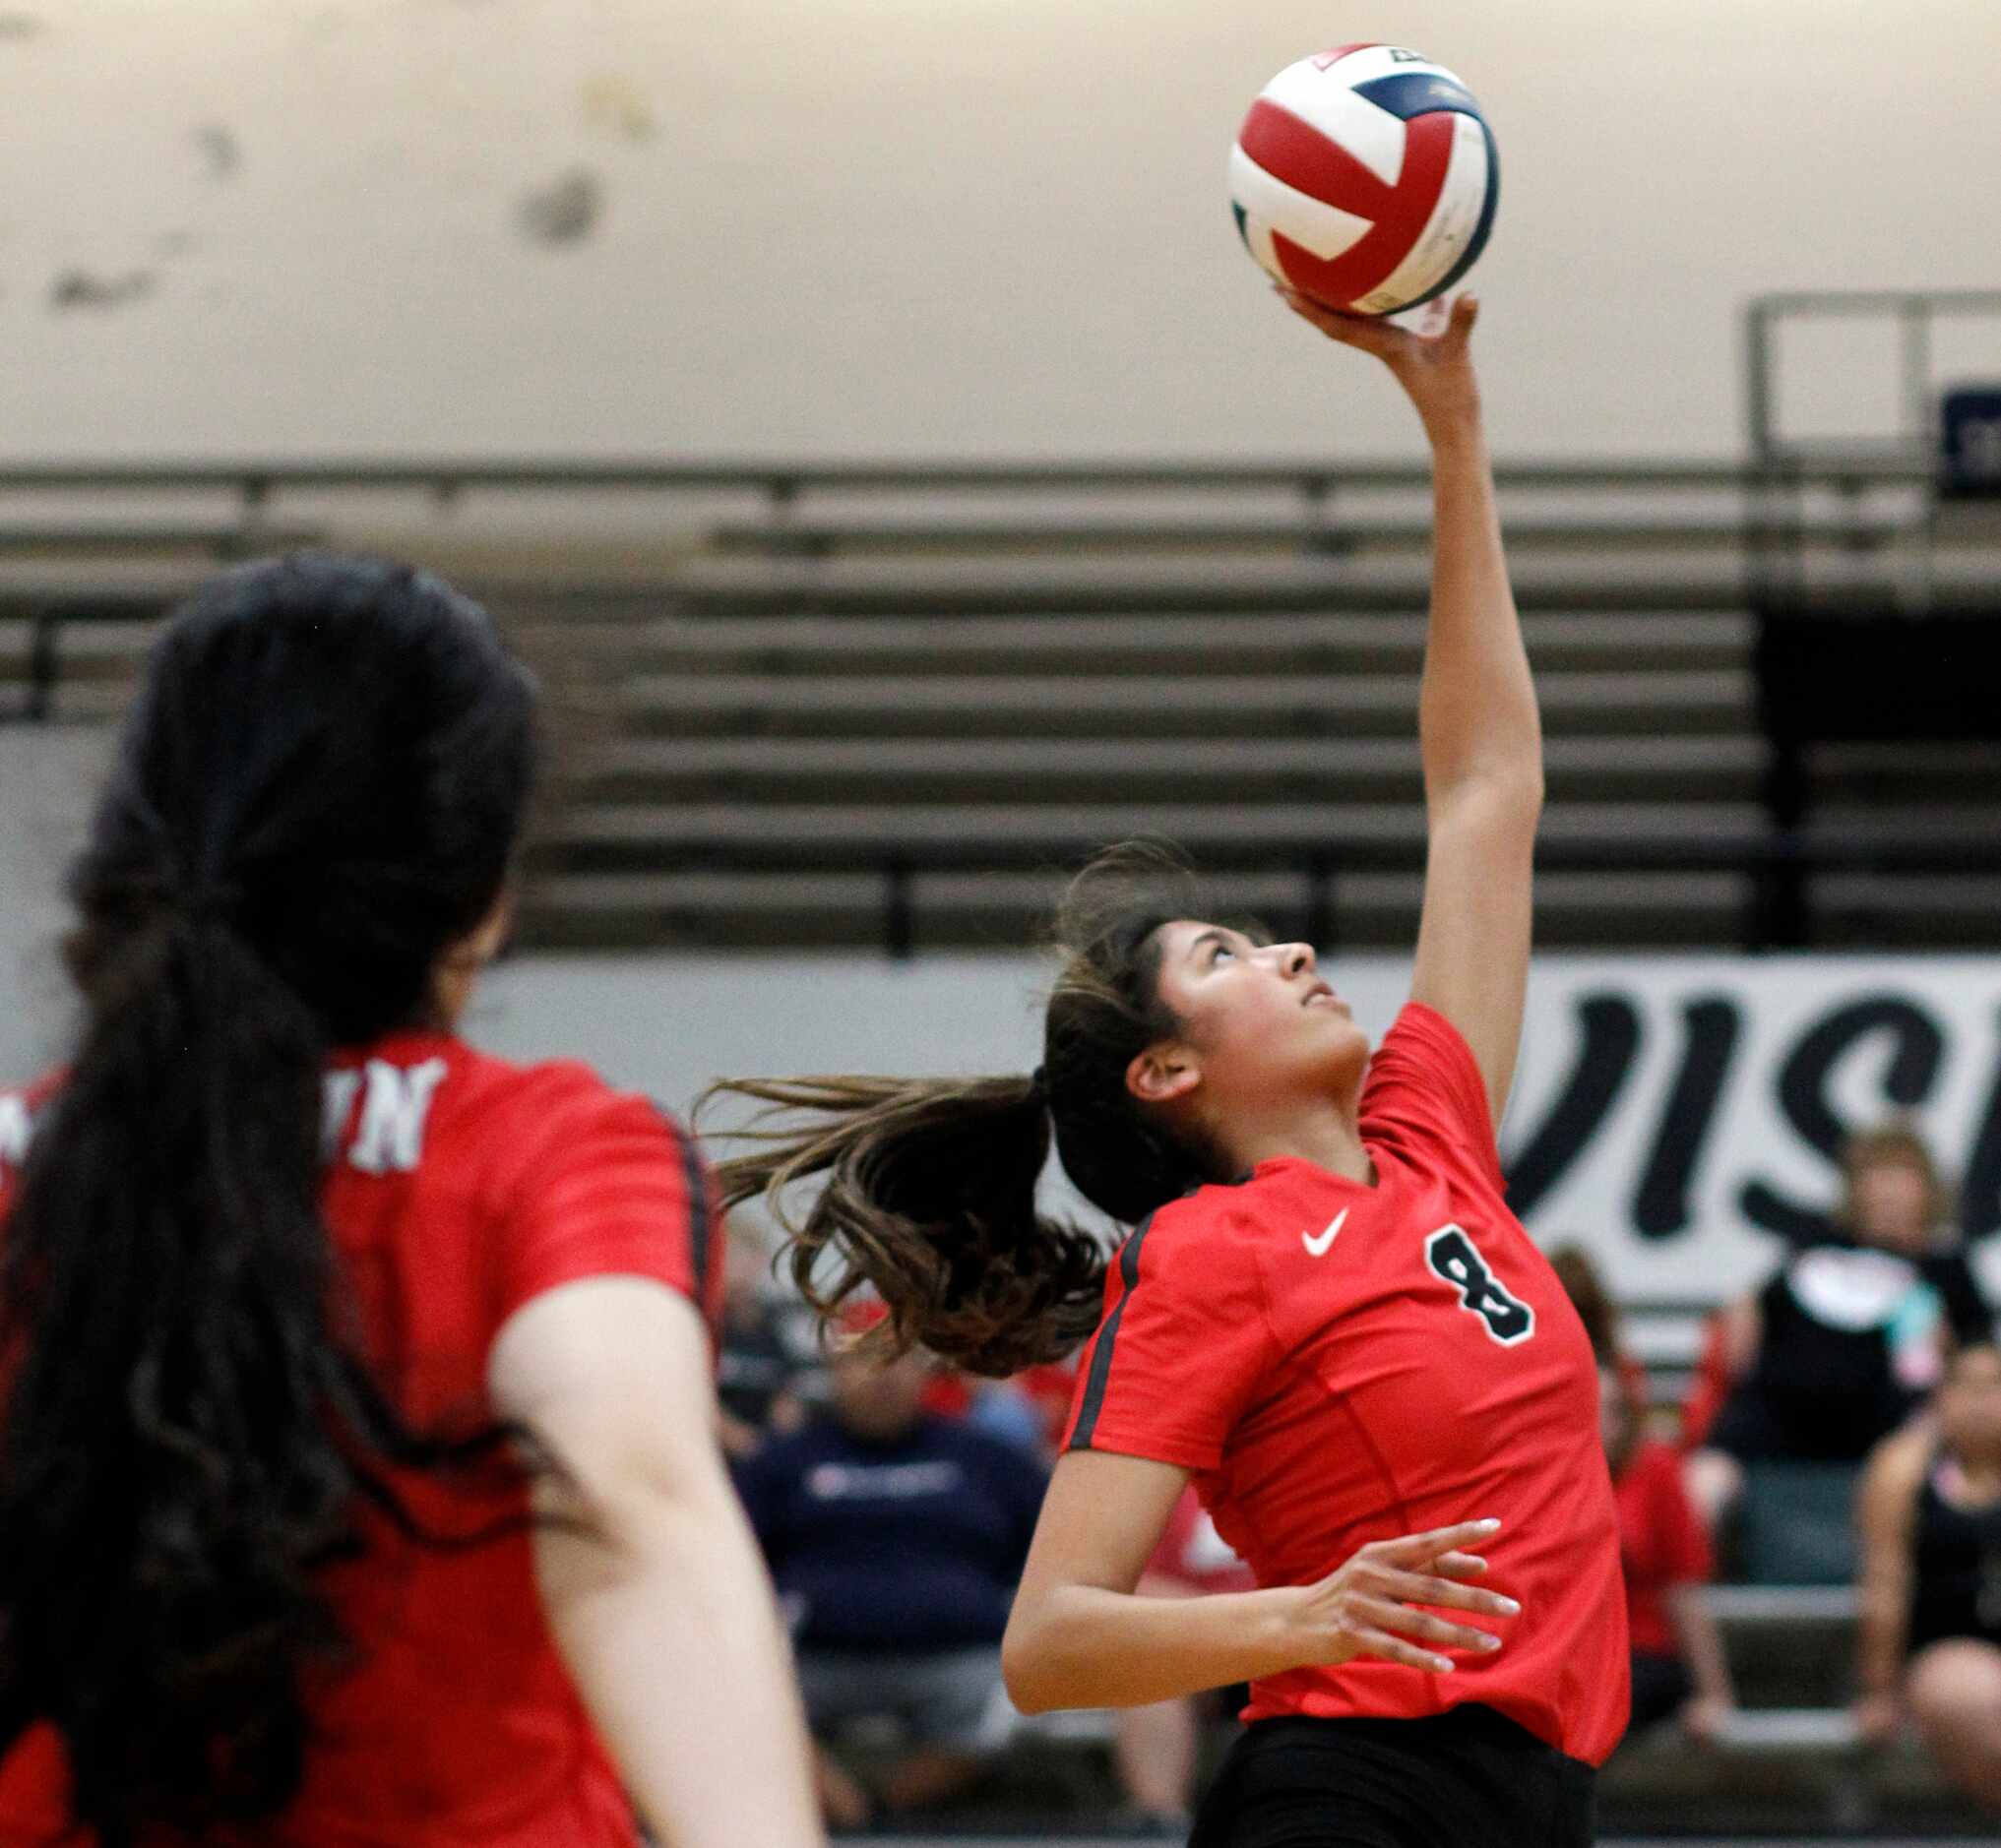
[1852, 1333]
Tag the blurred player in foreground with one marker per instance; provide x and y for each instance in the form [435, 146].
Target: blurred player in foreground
[293, 1282]
[1327, 1316]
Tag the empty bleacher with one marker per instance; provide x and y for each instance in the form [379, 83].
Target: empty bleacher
[860, 706]
[753, 750]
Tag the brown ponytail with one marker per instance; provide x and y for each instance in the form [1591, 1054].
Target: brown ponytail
[929, 1194]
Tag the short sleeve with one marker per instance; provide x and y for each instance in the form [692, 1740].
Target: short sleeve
[616, 1187]
[1183, 1347]
[1424, 1093]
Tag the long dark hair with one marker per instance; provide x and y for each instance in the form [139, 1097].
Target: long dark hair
[317, 793]
[929, 1188]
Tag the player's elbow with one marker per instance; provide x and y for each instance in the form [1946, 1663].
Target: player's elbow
[1513, 787]
[1530, 784]
[1496, 802]
[1026, 1662]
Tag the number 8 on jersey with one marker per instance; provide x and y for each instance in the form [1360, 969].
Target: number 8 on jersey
[1453, 1256]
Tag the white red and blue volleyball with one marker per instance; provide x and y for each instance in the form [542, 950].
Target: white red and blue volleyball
[1365, 177]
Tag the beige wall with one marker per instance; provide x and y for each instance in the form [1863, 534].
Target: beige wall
[917, 225]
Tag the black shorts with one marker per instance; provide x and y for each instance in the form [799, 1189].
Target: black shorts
[1465, 1779]
[1661, 1687]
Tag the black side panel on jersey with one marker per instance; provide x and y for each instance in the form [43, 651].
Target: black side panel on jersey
[1100, 1358]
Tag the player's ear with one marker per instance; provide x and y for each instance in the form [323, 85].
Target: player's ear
[1166, 1070]
[461, 964]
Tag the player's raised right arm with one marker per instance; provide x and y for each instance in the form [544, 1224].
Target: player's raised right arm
[1080, 1637]
[648, 1570]
[1479, 728]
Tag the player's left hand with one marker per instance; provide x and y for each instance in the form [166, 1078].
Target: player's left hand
[1382, 1601]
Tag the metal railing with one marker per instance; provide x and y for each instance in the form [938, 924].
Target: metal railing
[1909, 318]
[1771, 528]
[257, 485]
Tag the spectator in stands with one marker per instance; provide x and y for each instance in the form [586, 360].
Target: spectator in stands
[1679, 1668]
[757, 1372]
[1930, 1519]
[1049, 1388]
[1003, 1410]
[1600, 1318]
[896, 1538]
[1156, 1748]
[998, 1407]
[1847, 1338]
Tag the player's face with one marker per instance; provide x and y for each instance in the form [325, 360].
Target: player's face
[1970, 1407]
[1261, 1020]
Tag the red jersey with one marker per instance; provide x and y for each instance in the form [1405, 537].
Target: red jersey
[1340, 1363]
[458, 1188]
[1662, 1541]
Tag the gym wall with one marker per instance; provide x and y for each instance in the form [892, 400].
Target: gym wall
[919, 227]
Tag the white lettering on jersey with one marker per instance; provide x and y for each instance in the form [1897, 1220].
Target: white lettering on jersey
[336, 1097]
[391, 1139]
[17, 1130]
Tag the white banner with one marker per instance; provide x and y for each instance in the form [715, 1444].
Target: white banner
[1681, 1115]
[1676, 1115]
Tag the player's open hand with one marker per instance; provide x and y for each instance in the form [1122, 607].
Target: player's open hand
[1433, 362]
[1376, 1604]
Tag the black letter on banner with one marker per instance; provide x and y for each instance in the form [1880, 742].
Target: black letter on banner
[1605, 1061]
[1802, 1094]
[1661, 1202]
[1981, 1198]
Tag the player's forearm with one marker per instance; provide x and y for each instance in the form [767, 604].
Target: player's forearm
[1477, 718]
[1702, 1644]
[1080, 1646]
[667, 1619]
[1879, 1663]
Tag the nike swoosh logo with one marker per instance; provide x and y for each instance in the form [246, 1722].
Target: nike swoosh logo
[1317, 1247]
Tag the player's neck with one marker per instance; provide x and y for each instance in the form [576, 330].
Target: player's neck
[1318, 1131]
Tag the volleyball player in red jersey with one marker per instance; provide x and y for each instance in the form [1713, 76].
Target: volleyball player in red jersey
[1326, 1318]
[291, 1280]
